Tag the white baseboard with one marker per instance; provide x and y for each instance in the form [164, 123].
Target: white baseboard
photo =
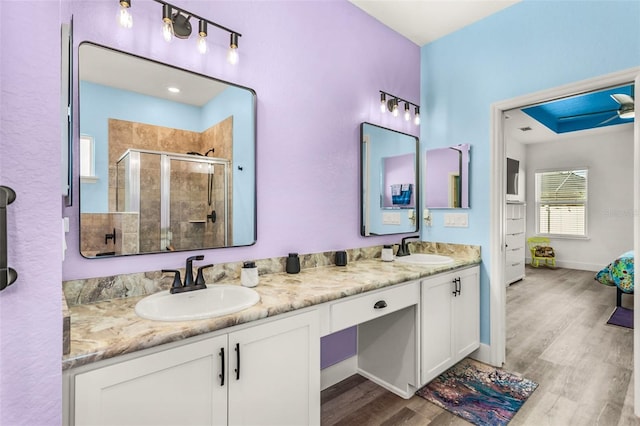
[338, 372]
[579, 266]
[483, 354]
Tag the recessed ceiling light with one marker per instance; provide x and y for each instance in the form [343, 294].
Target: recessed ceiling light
[173, 89]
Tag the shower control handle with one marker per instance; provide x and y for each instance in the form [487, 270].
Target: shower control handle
[212, 217]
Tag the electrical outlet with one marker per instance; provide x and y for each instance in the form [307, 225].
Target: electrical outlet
[390, 218]
[456, 220]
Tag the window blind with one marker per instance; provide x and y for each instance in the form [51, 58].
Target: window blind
[561, 198]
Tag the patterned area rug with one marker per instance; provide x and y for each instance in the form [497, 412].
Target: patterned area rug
[479, 393]
[622, 317]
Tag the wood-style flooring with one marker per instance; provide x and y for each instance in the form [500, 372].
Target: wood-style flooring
[556, 335]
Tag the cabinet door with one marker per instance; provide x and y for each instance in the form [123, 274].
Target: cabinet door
[178, 386]
[436, 317]
[466, 312]
[278, 382]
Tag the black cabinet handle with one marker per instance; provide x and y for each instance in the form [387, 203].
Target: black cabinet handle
[237, 370]
[7, 275]
[221, 375]
[380, 304]
[456, 288]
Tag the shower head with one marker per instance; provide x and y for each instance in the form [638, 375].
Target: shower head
[210, 151]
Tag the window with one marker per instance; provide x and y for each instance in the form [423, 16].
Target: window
[87, 160]
[561, 203]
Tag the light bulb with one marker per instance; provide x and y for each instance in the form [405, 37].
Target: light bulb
[416, 120]
[202, 37]
[124, 17]
[407, 114]
[395, 109]
[167, 23]
[167, 30]
[383, 103]
[202, 44]
[232, 55]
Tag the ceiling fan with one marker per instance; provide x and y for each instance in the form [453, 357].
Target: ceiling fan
[626, 109]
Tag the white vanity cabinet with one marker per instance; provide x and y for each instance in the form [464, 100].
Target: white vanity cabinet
[449, 319]
[265, 374]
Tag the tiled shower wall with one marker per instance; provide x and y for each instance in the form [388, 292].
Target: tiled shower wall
[188, 230]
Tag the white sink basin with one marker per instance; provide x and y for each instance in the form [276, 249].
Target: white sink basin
[214, 301]
[425, 259]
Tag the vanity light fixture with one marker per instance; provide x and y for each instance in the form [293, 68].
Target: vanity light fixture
[176, 23]
[124, 16]
[392, 106]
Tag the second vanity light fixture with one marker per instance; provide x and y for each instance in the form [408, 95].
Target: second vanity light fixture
[176, 23]
[393, 104]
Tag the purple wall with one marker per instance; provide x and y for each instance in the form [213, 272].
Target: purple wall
[30, 309]
[317, 75]
[317, 68]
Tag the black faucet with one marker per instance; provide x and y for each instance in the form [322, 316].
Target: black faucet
[403, 249]
[188, 273]
[189, 284]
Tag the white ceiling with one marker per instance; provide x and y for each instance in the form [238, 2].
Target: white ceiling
[127, 72]
[423, 21]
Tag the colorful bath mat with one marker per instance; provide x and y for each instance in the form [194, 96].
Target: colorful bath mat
[622, 317]
[479, 393]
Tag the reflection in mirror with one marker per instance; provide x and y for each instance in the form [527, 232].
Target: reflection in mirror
[447, 177]
[162, 170]
[389, 181]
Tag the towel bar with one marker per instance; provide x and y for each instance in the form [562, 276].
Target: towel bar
[7, 275]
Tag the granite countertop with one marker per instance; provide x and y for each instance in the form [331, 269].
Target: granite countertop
[111, 328]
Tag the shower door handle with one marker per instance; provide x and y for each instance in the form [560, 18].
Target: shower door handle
[212, 217]
[7, 275]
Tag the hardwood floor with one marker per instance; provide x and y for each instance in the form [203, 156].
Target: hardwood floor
[556, 335]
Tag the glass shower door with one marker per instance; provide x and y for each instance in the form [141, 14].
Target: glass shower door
[196, 204]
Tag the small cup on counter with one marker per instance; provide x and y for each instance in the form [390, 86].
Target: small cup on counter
[341, 258]
[293, 264]
[387, 253]
[249, 274]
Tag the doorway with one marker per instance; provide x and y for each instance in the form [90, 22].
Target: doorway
[498, 200]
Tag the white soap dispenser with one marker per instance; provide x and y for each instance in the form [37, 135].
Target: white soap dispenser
[387, 253]
[249, 274]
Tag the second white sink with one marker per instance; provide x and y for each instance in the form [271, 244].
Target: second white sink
[214, 301]
[425, 259]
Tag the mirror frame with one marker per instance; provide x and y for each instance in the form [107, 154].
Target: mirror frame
[77, 177]
[364, 182]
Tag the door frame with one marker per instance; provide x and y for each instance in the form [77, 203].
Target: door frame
[497, 297]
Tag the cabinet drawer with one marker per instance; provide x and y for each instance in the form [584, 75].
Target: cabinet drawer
[514, 271]
[515, 226]
[363, 308]
[514, 241]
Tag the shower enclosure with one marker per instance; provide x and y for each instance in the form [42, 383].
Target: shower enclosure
[182, 201]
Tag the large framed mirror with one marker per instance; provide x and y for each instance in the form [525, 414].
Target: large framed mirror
[389, 196]
[167, 157]
[447, 177]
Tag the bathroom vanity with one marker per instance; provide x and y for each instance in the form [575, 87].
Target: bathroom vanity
[262, 365]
